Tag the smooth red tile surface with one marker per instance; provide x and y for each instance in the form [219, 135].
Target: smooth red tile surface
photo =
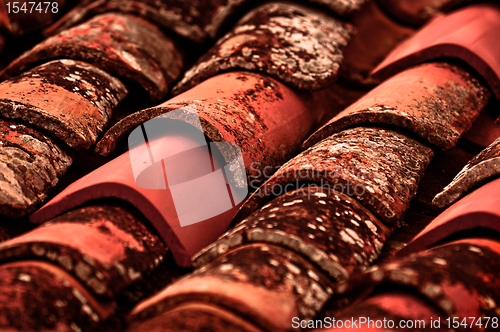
[376, 35]
[116, 179]
[469, 34]
[479, 209]
[437, 101]
[264, 117]
[418, 12]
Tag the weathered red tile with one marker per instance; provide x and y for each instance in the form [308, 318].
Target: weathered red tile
[299, 46]
[265, 284]
[341, 7]
[382, 311]
[418, 12]
[459, 279]
[380, 168]
[329, 228]
[38, 296]
[469, 34]
[195, 316]
[376, 35]
[30, 165]
[262, 116]
[29, 16]
[437, 101]
[121, 45]
[479, 209]
[196, 20]
[117, 179]
[105, 247]
[479, 169]
[70, 99]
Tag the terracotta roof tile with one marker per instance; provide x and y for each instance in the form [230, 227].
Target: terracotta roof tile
[30, 165]
[485, 130]
[105, 247]
[110, 254]
[478, 210]
[196, 20]
[381, 168]
[436, 101]
[457, 279]
[116, 179]
[329, 228]
[267, 284]
[121, 45]
[482, 167]
[70, 99]
[39, 295]
[295, 44]
[467, 34]
[267, 119]
[418, 12]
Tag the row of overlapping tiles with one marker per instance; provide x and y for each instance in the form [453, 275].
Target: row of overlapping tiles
[288, 255]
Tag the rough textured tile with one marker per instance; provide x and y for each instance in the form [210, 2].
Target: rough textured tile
[469, 34]
[105, 247]
[384, 310]
[418, 12]
[120, 45]
[478, 211]
[436, 101]
[262, 116]
[458, 278]
[116, 179]
[31, 164]
[331, 229]
[264, 283]
[480, 168]
[38, 296]
[380, 168]
[341, 7]
[70, 99]
[298, 46]
[195, 317]
[196, 20]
